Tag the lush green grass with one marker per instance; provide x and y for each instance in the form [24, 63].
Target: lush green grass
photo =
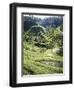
[37, 60]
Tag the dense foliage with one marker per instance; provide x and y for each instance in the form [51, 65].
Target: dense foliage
[42, 45]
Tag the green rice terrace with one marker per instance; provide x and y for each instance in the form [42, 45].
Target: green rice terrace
[42, 48]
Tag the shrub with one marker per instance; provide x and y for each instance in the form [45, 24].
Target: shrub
[60, 51]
